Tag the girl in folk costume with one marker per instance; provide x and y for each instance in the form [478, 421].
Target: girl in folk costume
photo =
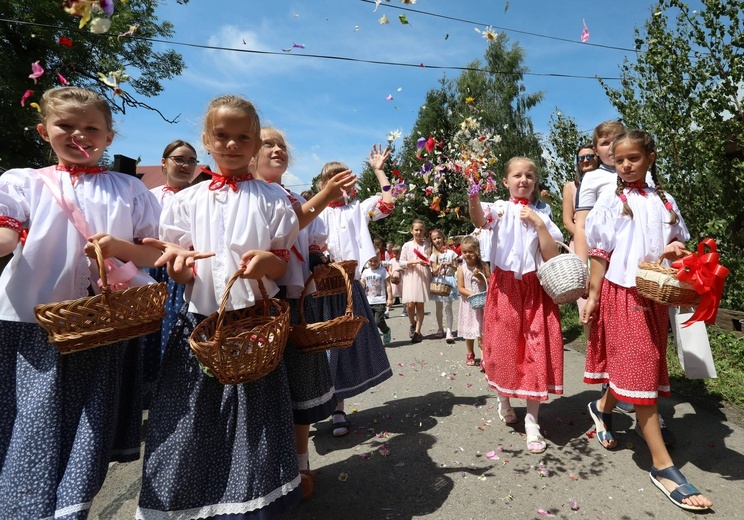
[178, 165]
[214, 450]
[414, 261]
[471, 279]
[443, 269]
[628, 340]
[64, 418]
[522, 340]
[365, 363]
[310, 383]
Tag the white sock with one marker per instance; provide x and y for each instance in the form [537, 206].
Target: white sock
[303, 461]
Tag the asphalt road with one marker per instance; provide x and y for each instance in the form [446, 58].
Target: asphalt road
[428, 443]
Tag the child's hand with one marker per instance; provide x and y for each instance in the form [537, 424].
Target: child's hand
[528, 214]
[378, 156]
[339, 184]
[590, 311]
[674, 250]
[257, 264]
[109, 246]
[181, 259]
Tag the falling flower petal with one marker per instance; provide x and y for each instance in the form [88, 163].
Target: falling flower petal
[384, 20]
[133, 29]
[543, 512]
[100, 25]
[63, 40]
[394, 135]
[584, 32]
[481, 477]
[420, 142]
[492, 455]
[36, 71]
[408, 1]
[62, 79]
[343, 476]
[574, 504]
[384, 451]
[36, 106]
[389, 97]
[543, 471]
[403, 19]
[377, 4]
[573, 477]
[488, 33]
[430, 144]
[298, 45]
[25, 97]
[107, 6]
[469, 100]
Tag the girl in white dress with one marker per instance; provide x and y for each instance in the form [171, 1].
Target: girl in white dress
[64, 418]
[443, 269]
[471, 279]
[240, 436]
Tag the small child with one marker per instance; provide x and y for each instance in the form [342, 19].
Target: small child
[443, 268]
[471, 279]
[376, 283]
[414, 260]
[395, 274]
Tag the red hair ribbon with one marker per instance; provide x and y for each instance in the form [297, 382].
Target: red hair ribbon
[706, 275]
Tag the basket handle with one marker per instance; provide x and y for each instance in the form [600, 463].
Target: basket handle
[483, 276]
[105, 288]
[661, 258]
[538, 257]
[226, 297]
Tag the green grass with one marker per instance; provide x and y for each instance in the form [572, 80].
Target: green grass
[572, 328]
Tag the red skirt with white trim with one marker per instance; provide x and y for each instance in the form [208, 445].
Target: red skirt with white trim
[627, 346]
[522, 338]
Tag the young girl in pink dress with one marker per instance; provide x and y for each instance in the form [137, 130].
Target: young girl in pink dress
[628, 339]
[522, 339]
[414, 261]
[443, 268]
[471, 279]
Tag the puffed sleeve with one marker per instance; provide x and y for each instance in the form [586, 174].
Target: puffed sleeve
[601, 234]
[145, 216]
[14, 208]
[374, 208]
[317, 234]
[175, 221]
[493, 211]
[285, 227]
[552, 228]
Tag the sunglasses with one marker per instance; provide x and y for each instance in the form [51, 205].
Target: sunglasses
[587, 157]
[180, 161]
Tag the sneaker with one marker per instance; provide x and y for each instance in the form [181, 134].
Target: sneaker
[387, 315]
[670, 440]
[623, 407]
[387, 337]
[412, 331]
[403, 314]
[417, 337]
[450, 338]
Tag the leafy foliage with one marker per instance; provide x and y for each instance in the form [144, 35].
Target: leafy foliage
[685, 88]
[36, 37]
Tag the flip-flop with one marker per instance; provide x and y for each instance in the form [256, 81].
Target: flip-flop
[603, 426]
[684, 490]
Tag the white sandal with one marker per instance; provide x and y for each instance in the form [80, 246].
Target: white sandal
[535, 438]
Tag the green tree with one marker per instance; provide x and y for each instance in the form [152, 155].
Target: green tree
[685, 88]
[34, 35]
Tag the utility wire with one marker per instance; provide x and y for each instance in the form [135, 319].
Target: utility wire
[316, 56]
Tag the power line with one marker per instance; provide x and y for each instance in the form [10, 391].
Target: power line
[505, 29]
[316, 56]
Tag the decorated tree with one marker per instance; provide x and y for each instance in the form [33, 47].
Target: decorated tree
[96, 44]
[685, 88]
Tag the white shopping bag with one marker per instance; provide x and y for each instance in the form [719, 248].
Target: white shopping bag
[693, 347]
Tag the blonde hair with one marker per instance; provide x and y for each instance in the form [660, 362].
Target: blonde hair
[520, 158]
[607, 129]
[431, 237]
[471, 242]
[329, 170]
[238, 104]
[53, 98]
[646, 142]
[269, 132]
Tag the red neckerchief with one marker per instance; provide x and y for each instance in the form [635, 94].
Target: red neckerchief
[341, 203]
[520, 200]
[172, 189]
[219, 181]
[638, 186]
[77, 171]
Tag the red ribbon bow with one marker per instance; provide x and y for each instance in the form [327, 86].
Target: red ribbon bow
[520, 200]
[706, 275]
[638, 186]
[172, 189]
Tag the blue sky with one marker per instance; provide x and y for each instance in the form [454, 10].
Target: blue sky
[336, 110]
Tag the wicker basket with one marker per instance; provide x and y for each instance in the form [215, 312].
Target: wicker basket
[478, 300]
[334, 283]
[564, 277]
[93, 321]
[325, 335]
[439, 288]
[660, 284]
[243, 345]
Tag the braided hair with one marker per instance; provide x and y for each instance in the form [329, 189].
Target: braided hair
[646, 142]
